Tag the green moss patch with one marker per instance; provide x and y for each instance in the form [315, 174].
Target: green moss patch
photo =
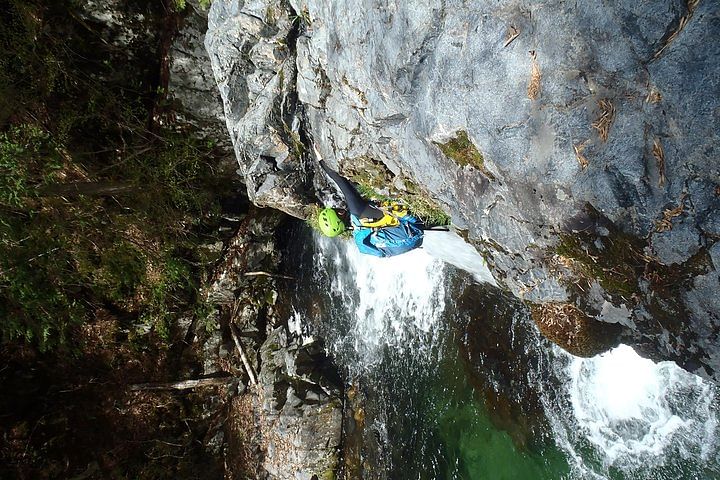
[463, 152]
[618, 262]
[375, 181]
[615, 262]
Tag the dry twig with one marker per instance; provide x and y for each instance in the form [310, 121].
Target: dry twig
[607, 115]
[246, 363]
[533, 89]
[659, 155]
[582, 159]
[665, 224]
[267, 274]
[512, 34]
[654, 96]
[182, 385]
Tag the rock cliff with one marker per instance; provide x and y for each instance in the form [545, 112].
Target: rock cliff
[575, 143]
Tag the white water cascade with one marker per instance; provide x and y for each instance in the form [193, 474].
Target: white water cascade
[642, 418]
[393, 302]
[614, 416]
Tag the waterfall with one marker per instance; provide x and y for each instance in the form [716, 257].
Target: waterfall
[387, 322]
[628, 414]
[389, 302]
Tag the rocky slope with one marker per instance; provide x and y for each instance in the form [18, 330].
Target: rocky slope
[284, 423]
[576, 144]
[287, 421]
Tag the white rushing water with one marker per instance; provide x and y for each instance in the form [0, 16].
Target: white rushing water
[636, 415]
[393, 301]
[614, 416]
[451, 248]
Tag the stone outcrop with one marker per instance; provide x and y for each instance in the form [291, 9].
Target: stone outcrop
[590, 121]
[570, 328]
[191, 89]
[293, 416]
[300, 413]
[251, 45]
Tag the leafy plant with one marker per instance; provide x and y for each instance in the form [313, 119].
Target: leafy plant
[100, 207]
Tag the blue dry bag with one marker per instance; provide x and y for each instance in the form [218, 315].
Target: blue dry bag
[388, 241]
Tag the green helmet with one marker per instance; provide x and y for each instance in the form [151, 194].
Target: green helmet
[330, 223]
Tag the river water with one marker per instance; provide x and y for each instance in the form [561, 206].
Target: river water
[459, 384]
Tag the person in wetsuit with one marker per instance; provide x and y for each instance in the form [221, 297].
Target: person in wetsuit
[330, 223]
[376, 232]
[357, 205]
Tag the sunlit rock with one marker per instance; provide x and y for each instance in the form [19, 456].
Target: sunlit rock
[573, 108]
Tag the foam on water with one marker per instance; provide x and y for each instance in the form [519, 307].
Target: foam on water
[393, 301]
[615, 416]
[636, 415]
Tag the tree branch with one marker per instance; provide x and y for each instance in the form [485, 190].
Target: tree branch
[183, 384]
[248, 367]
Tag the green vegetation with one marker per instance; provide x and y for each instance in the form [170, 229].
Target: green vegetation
[100, 207]
[303, 16]
[616, 266]
[619, 262]
[375, 181]
[462, 151]
[106, 208]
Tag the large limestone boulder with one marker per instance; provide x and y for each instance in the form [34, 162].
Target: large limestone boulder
[191, 85]
[300, 412]
[251, 46]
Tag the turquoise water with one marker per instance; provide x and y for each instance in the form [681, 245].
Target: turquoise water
[439, 427]
[474, 446]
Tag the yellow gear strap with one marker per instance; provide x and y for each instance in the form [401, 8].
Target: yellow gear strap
[393, 211]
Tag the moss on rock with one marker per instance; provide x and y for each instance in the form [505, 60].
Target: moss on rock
[615, 262]
[463, 152]
[375, 181]
[568, 327]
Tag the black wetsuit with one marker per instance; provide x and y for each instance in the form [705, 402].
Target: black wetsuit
[357, 205]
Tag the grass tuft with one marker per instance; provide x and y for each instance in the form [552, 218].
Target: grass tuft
[464, 153]
[604, 121]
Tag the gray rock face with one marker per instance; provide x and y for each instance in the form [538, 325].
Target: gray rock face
[126, 26]
[592, 117]
[296, 405]
[248, 43]
[191, 84]
[301, 412]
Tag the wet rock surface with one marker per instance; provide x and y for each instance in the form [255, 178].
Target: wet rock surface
[300, 412]
[494, 329]
[288, 424]
[589, 115]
